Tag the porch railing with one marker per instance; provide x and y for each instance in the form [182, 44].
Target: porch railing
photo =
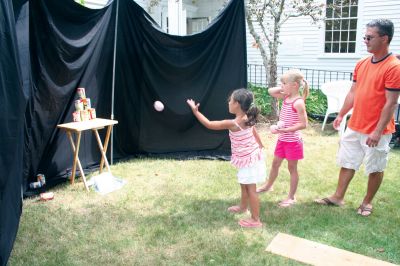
[316, 77]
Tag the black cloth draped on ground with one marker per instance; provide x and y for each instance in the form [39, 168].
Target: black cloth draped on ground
[50, 48]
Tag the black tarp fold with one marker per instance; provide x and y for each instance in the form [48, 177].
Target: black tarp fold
[12, 105]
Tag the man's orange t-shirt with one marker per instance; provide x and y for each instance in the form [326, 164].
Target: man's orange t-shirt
[372, 80]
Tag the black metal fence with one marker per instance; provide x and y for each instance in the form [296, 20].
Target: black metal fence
[315, 77]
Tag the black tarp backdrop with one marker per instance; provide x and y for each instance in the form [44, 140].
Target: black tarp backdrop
[72, 46]
[12, 106]
[152, 65]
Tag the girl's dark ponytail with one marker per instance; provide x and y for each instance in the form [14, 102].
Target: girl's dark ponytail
[252, 115]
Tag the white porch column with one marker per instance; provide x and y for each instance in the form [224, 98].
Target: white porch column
[176, 18]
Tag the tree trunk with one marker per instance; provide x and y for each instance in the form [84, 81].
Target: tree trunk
[273, 67]
[267, 66]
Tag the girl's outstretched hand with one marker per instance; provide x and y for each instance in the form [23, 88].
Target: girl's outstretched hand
[192, 104]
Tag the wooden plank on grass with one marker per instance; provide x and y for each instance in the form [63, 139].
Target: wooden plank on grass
[314, 253]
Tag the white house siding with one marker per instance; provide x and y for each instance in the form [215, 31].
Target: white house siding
[208, 8]
[389, 9]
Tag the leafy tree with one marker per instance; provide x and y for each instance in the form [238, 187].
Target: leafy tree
[152, 3]
[269, 17]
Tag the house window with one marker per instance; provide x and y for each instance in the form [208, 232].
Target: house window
[195, 25]
[341, 26]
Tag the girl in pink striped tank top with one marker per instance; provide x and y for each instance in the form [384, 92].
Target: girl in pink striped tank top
[246, 146]
[289, 146]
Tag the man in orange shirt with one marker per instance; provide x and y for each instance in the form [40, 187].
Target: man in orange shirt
[373, 97]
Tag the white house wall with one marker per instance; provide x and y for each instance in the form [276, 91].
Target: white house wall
[208, 8]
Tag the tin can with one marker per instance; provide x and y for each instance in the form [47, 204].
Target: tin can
[88, 103]
[76, 116]
[78, 105]
[92, 113]
[42, 179]
[81, 93]
[34, 185]
[84, 115]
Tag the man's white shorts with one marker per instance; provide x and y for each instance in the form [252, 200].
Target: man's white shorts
[353, 150]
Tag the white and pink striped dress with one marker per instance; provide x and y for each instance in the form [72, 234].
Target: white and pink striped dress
[289, 116]
[247, 156]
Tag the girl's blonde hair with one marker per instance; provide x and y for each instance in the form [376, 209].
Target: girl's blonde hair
[295, 75]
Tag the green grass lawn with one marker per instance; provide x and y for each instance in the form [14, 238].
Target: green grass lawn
[173, 212]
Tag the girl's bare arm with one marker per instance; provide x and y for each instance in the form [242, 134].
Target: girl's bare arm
[257, 136]
[214, 125]
[276, 92]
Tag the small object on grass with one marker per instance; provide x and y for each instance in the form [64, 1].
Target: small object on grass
[35, 185]
[46, 196]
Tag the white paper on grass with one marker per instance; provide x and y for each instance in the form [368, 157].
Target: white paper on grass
[105, 183]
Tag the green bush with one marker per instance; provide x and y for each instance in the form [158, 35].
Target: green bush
[262, 99]
[316, 102]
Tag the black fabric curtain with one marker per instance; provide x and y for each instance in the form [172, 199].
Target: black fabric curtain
[152, 65]
[50, 48]
[13, 26]
[71, 47]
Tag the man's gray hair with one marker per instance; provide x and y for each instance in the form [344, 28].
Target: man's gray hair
[385, 27]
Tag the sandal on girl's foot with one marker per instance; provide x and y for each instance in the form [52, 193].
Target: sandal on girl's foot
[263, 190]
[364, 210]
[236, 209]
[250, 223]
[287, 203]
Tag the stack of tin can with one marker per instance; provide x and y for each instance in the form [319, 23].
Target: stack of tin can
[83, 107]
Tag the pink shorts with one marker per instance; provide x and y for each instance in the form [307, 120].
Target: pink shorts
[289, 150]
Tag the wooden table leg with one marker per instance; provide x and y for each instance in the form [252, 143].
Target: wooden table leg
[102, 150]
[105, 146]
[75, 149]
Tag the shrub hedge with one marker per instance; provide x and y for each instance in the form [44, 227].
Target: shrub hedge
[316, 102]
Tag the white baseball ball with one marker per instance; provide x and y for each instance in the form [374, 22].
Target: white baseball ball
[273, 129]
[280, 124]
[159, 106]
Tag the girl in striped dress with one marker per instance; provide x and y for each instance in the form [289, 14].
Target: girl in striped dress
[247, 150]
[293, 117]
